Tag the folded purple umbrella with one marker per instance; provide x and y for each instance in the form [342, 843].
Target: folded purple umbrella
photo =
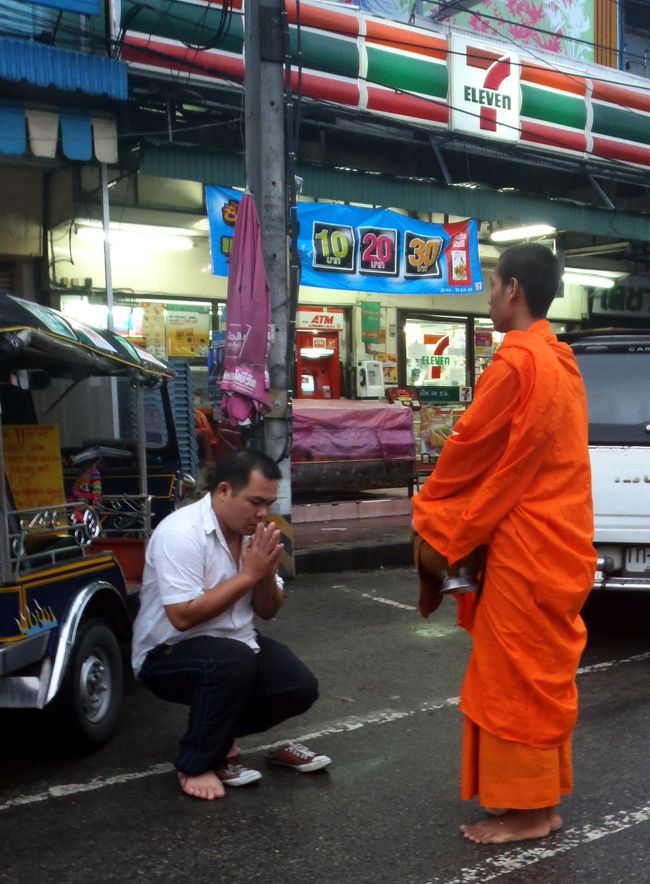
[246, 377]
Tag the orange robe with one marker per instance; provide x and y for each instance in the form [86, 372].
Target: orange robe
[515, 477]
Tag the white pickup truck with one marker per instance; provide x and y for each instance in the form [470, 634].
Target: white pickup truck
[615, 365]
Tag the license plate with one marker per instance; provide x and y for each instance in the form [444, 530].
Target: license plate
[637, 559]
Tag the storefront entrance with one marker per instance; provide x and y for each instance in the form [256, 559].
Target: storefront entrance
[440, 359]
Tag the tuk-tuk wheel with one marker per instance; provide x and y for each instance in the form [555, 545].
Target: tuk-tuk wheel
[89, 702]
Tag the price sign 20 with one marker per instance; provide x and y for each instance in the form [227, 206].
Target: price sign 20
[333, 247]
[379, 251]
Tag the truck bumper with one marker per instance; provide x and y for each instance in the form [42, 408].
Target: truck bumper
[616, 583]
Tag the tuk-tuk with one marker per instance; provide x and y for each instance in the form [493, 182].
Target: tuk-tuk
[90, 463]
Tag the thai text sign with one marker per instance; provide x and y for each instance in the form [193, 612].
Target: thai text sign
[188, 330]
[439, 394]
[33, 465]
[365, 250]
[627, 300]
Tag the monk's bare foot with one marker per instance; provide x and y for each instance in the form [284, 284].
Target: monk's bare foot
[233, 752]
[554, 818]
[514, 825]
[496, 811]
[206, 785]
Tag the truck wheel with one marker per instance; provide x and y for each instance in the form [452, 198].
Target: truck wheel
[89, 702]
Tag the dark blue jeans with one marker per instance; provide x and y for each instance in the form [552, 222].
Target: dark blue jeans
[231, 691]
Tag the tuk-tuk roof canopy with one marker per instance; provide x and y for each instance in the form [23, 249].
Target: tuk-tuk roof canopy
[34, 336]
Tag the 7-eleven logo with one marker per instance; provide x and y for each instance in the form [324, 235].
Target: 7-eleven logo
[484, 95]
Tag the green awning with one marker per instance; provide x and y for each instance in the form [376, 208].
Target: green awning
[349, 185]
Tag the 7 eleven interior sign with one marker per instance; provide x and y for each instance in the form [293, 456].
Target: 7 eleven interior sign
[484, 95]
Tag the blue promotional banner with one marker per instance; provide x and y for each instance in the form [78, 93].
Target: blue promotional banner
[367, 250]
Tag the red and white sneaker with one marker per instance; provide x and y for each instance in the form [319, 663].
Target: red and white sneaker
[238, 775]
[298, 757]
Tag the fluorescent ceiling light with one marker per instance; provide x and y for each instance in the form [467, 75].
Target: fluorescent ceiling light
[587, 278]
[533, 231]
[153, 239]
[608, 274]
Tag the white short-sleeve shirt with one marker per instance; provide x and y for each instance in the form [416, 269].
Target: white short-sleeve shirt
[186, 556]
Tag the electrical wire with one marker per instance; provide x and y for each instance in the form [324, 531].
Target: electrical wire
[412, 123]
[131, 16]
[547, 32]
[410, 44]
[177, 21]
[225, 7]
[223, 28]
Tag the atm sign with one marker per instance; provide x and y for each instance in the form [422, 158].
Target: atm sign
[318, 318]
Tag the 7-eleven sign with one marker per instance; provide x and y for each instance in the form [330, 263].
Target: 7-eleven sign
[484, 95]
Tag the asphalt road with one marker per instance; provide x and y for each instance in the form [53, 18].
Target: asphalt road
[386, 811]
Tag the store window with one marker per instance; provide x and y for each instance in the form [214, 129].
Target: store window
[435, 365]
[486, 343]
[436, 353]
[441, 359]
[168, 329]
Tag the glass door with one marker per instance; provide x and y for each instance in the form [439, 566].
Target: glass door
[486, 343]
[436, 363]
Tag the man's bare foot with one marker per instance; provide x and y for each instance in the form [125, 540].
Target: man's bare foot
[206, 785]
[514, 825]
[496, 811]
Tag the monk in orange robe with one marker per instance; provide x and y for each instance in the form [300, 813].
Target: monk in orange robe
[514, 479]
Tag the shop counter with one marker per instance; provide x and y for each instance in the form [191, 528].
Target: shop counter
[342, 445]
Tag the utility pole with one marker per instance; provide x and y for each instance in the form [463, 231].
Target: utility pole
[266, 177]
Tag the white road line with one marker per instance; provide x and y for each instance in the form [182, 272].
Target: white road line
[374, 598]
[599, 667]
[378, 598]
[90, 786]
[522, 857]
[352, 723]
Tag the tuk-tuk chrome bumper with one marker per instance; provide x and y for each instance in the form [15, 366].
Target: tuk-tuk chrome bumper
[38, 687]
[17, 655]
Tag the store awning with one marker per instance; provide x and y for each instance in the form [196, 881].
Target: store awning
[36, 132]
[349, 185]
[49, 67]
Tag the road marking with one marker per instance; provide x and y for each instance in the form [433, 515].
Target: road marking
[383, 601]
[599, 667]
[352, 723]
[374, 598]
[522, 857]
[97, 783]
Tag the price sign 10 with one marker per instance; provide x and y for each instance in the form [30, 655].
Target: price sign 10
[334, 247]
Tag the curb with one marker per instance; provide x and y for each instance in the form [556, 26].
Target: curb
[354, 558]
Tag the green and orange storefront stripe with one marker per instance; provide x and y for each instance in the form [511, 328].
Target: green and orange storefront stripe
[390, 69]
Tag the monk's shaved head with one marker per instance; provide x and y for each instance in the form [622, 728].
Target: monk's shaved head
[537, 271]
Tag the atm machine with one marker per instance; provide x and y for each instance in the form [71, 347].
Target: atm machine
[318, 367]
